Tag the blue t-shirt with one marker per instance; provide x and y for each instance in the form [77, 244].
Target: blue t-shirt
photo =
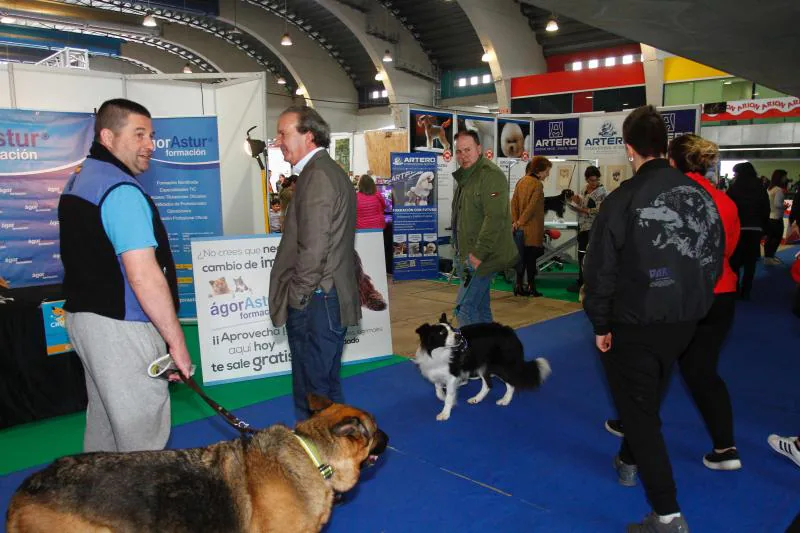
[128, 220]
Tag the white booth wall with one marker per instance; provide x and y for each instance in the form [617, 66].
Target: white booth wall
[239, 104]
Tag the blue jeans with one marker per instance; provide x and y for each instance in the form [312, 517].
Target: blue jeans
[472, 301]
[316, 340]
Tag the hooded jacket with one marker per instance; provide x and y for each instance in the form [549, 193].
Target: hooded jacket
[481, 217]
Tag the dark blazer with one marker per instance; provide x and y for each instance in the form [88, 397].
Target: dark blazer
[318, 243]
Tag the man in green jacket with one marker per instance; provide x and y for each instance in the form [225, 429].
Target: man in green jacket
[481, 224]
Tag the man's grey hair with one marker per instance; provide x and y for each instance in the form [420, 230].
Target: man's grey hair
[309, 120]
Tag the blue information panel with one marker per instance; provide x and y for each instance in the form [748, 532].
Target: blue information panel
[679, 122]
[55, 332]
[38, 152]
[415, 234]
[555, 137]
[183, 181]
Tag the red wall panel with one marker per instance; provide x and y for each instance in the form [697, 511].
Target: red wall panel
[577, 81]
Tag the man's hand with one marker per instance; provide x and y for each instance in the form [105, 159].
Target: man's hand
[515, 226]
[180, 355]
[474, 261]
[603, 342]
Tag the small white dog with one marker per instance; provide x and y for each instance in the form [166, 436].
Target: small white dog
[419, 193]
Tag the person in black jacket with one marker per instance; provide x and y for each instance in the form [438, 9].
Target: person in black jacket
[654, 256]
[752, 202]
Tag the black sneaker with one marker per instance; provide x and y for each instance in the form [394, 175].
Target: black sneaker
[728, 460]
[626, 474]
[614, 427]
[652, 524]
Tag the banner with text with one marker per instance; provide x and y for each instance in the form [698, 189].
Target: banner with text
[747, 109]
[184, 182]
[556, 137]
[415, 239]
[237, 338]
[38, 152]
[679, 121]
[601, 139]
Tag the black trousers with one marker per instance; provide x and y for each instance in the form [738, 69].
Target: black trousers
[698, 366]
[528, 264]
[638, 364]
[583, 243]
[746, 255]
[774, 237]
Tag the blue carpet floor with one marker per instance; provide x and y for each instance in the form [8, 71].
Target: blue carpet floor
[544, 462]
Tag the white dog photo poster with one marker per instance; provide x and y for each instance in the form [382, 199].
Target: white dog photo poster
[237, 338]
[513, 138]
[484, 126]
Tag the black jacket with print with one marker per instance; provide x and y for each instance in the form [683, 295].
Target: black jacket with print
[655, 251]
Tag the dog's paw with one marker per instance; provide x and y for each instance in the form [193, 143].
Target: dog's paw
[503, 401]
[441, 417]
[474, 400]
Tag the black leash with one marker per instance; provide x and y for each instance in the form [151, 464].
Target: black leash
[237, 423]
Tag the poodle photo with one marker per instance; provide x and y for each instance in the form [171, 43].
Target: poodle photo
[419, 193]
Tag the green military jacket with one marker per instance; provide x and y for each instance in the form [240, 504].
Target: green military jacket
[481, 217]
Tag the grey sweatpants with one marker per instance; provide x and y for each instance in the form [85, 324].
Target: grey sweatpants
[128, 410]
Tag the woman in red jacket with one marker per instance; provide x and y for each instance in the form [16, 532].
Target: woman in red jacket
[693, 156]
[370, 205]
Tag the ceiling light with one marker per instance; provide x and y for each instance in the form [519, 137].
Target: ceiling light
[187, 68]
[299, 91]
[375, 94]
[149, 20]
[486, 57]
[487, 78]
[627, 59]
[473, 80]
[286, 40]
[7, 19]
[727, 82]
[593, 63]
[611, 61]
[552, 25]
[387, 57]
[589, 97]
[379, 76]
[281, 80]
[384, 93]
[462, 82]
[577, 65]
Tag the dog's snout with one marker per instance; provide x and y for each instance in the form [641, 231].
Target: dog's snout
[381, 442]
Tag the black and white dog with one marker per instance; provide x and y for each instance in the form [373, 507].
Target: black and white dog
[448, 357]
[557, 204]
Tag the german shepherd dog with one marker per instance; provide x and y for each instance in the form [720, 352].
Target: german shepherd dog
[266, 484]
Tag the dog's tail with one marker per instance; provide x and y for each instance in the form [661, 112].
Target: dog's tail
[533, 373]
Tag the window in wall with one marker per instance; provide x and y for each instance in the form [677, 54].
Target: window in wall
[619, 99]
[553, 104]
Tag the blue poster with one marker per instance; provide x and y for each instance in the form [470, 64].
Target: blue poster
[415, 234]
[679, 122]
[183, 181]
[38, 152]
[555, 137]
[55, 332]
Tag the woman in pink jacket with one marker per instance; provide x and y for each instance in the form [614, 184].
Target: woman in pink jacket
[370, 205]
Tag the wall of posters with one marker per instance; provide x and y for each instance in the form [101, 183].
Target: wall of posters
[237, 339]
[513, 138]
[183, 181]
[39, 150]
[415, 233]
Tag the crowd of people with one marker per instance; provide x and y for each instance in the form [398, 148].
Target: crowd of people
[658, 289]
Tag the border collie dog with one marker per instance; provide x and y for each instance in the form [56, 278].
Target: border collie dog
[557, 204]
[448, 357]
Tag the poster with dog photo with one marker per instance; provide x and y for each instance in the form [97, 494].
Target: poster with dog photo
[237, 338]
[614, 175]
[513, 138]
[484, 126]
[431, 131]
[415, 214]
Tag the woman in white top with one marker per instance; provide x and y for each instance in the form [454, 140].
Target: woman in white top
[776, 191]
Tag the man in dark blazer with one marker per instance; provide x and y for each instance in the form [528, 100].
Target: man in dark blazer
[313, 287]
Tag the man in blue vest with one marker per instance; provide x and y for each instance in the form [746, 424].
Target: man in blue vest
[120, 285]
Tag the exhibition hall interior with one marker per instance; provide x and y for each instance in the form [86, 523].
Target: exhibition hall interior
[485, 163]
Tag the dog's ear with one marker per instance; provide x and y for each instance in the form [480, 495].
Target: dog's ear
[423, 328]
[443, 318]
[317, 403]
[350, 426]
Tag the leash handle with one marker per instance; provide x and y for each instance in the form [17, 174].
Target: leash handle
[237, 423]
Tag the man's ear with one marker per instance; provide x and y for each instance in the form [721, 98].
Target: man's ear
[106, 137]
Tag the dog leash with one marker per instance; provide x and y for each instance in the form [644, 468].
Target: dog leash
[237, 423]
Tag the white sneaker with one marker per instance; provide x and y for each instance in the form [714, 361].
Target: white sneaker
[785, 446]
